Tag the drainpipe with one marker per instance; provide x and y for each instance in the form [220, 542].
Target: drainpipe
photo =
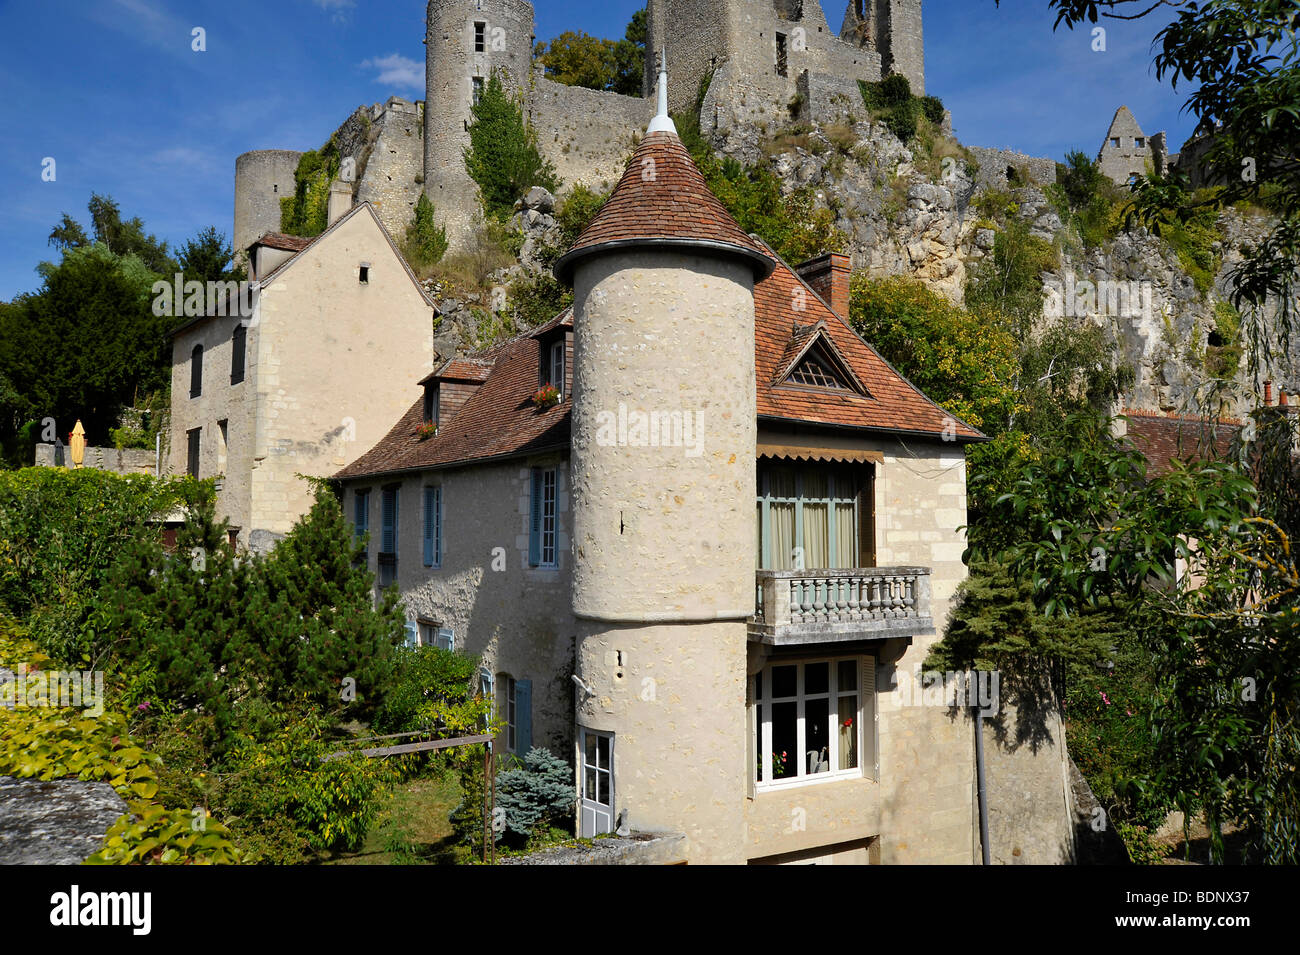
[157, 454]
[983, 791]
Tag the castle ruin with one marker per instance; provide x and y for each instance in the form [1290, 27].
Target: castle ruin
[755, 62]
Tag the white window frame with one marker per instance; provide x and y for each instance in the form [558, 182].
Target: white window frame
[761, 729]
[506, 694]
[550, 528]
[556, 366]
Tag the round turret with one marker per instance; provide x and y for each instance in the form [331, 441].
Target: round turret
[262, 179]
[466, 41]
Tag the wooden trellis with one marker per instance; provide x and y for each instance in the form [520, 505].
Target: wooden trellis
[428, 746]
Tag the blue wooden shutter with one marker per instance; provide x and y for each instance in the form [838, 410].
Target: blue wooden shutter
[523, 716]
[535, 521]
[446, 638]
[430, 521]
[389, 518]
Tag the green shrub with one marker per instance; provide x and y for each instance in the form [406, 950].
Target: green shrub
[151, 834]
[537, 796]
[503, 157]
[576, 212]
[60, 533]
[306, 212]
[426, 241]
[891, 100]
[432, 689]
[932, 109]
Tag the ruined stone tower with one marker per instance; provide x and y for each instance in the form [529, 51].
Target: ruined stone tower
[262, 179]
[893, 29]
[465, 42]
[663, 578]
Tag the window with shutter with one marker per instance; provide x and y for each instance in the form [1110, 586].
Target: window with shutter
[238, 341]
[432, 526]
[196, 371]
[535, 520]
[523, 716]
[194, 438]
[361, 518]
[388, 537]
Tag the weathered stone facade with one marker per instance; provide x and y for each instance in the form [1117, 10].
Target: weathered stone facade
[298, 409]
[262, 179]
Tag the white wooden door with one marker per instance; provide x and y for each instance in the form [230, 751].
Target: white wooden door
[597, 782]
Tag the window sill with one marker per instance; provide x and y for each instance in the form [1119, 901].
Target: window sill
[821, 779]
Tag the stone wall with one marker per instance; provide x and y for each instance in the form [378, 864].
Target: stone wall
[117, 460]
[995, 166]
[588, 134]
[516, 620]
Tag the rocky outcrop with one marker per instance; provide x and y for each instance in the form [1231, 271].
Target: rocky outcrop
[55, 822]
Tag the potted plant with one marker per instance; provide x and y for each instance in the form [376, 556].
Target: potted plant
[426, 430]
[546, 396]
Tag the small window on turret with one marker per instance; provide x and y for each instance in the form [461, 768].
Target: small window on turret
[480, 37]
[478, 91]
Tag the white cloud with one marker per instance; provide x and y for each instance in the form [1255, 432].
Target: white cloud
[338, 7]
[397, 70]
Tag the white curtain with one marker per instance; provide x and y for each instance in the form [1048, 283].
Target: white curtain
[845, 536]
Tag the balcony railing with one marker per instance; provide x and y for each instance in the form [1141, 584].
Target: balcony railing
[863, 603]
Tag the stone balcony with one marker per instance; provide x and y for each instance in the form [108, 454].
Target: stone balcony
[796, 607]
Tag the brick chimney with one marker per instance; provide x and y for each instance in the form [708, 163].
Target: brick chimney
[829, 277]
[1268, 393]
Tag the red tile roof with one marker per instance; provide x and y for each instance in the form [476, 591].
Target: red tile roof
[1163, 439]
[895, 403]
[290, 243]
[462, 369]
[663, 199]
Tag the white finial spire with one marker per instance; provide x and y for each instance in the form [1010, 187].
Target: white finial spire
[662, 123]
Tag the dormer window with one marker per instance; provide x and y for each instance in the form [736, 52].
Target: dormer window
[555, 366]
[815, 374]
[814, 361]
[431, 403]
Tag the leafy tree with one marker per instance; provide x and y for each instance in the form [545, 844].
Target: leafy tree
[629, 56]
[577, 59]
[68, 234]
[86, 345]
[426, 241]
[503, 157]
[126, 238]
[207, 258]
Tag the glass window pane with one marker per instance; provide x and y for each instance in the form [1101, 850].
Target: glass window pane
[846, 537]
[589, 755]
[602, 752]
[816, 542]
[848, 731]
[817, 735]
[591, 782]
[847, 675]
[782, 518]
[816, 678]
[783, 681]
[758, 741]
[785, 740]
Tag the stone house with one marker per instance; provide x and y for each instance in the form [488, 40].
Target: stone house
[264, 389]
[708, 573]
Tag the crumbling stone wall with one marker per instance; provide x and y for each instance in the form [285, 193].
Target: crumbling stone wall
[995, 166]
[588, 134]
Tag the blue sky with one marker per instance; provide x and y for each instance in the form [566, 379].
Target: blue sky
[113, 92]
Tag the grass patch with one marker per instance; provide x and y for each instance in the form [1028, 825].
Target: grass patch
[412, 828]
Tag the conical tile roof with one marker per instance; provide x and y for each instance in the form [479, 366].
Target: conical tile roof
[663, 200]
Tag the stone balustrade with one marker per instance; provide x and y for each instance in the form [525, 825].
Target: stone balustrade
[810, 606]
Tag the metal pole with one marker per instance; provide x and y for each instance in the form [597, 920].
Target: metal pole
[983, 794]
